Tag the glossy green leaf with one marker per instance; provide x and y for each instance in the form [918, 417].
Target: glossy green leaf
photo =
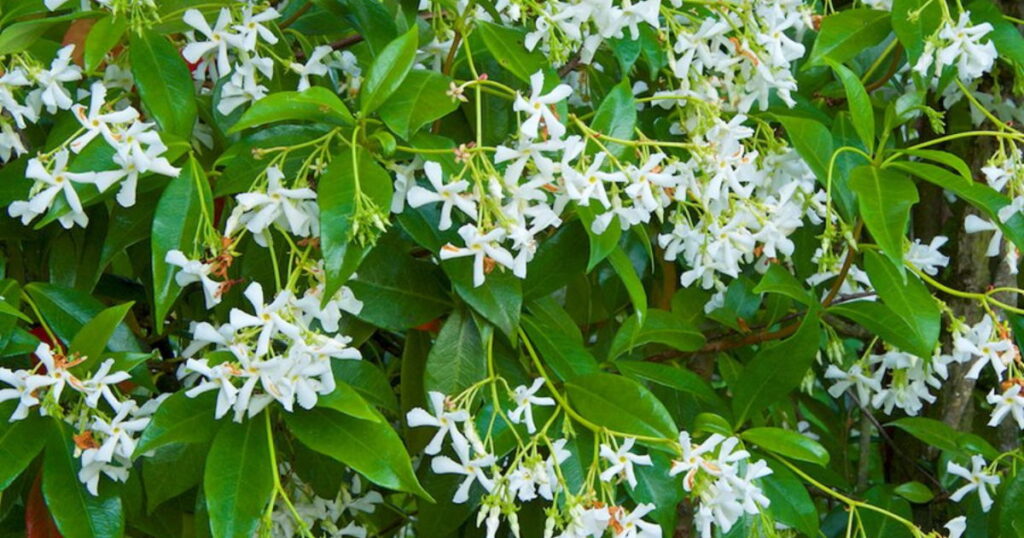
[237, 480]
[1011, 518]
[913, 21]
[941, 157]
[560, 352]
[372, 449]
[616, 117]
[559, 258]
[860, 104]
[164, 82]
[631, 279]
[778, 280]
[509, 49]
[620, 404]
[885, 197]
[790, 502]
[787, 443]
[388, 299]
[931, 432]
[103, 36]
[368, 380]
[914, 492]
[172, 470]
[66, 311]
[602, 244]
[846, 33]
[348, 174]
[421, 99]
[20, 442]
[881, 320]
[661, 327]
[457, 359]
[314, 104]
[92, 339]
[387, 72]
[675, 378]
[20, 35]
[347, 400]
[908, 297]
[180, 419]
[77, 513]
[814, 142]
[776, 370]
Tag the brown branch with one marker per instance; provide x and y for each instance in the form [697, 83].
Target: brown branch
[894, 65]
[295, 16]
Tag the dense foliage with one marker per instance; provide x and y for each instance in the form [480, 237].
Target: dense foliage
[583, 268]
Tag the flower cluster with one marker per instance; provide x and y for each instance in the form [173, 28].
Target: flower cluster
[273, 353]
[107, 434]
[334, 517]
[959, 45]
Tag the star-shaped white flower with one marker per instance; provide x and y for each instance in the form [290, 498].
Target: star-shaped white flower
[538, 107]
[622, 461]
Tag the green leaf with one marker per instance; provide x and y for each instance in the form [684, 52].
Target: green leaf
[563, 354]
[183, 209]
[981, 196]
[92, 339]
[814, 143]
[846, 33]
[1011, 518]
[775, 370]
[601, 245]
[907, 296]
[941, 157]
[913, 21]
[499, 300]
[421, 99]
[314, 104]
[661, 327]
[675, 378]
[346, 400]
[860, 104]
[620, 404]
[915, 492]
[559, 258]
[509, 49]
[388, 299]
[103, 36]
[372, 449]
[337, 191]
[67, 311]
[77, 513]
[930, 432]
[876, 524]
[881, 320]
[616, 117]
[634, 286]
[368, 380]
[655, 486]
[387, 72]
[790, 502]
[180, 419]
[712, 423]
[237, 480]
[19, 36]
[20, 442]
[884, 197]
[171, 471]
[371, 19]
[787, 443]
[164, 82]
[778, 280]
[457, 359]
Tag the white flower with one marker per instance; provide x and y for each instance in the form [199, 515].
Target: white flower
[694, 458]
[267, 317]
[927, 258]
[252, 27]
[99, 385]
[524, 398]
[96, 122]
[289, 208]
[1009, 402]
[51, 92]
[93, 467]
[973, 58]
[538, 107]
[218, 39]
[853, 378]
[633, 526]
[314, 66]
[56, 377]
[57, 180]
[118, 431]
[480, 246]
[471, 467]
[450, 195]
[978, 479]
[622, 461]
[217, 377]
[19, 390]
[444, 420]
[956, 526]
[981, 342]
[195, 271]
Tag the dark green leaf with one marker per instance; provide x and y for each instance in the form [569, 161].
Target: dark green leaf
[787, 443]
[421, 99]
[67, 311]
[881, 320]
[675, 378]
[915, 492]
[846, 33]
[790, 502]
[457, 359]
[388, 299]
[907, 296]
[884, 197]
[620, 404]
[180, 419]
[78, 513]
[634, 286]
[387, 72]
[560, 352]
[860, 105]
[164, 82]
[314, 104]
[616, 117]
[103, 36]
[92, 339]
[237, 480]
[371, 448]
[661, 327]
[509, 49]
[775, 370]
[20, 442]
